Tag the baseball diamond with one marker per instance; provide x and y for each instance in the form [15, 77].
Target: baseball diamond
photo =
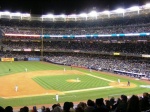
[43, 80]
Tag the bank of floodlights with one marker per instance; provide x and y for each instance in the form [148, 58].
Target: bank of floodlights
[147, 5]
[120, 10]
[25, 15]
[17, 14]
[83, 15]
[63, 16]
[106, 12]
[48, 16]
[134, 8]
[93, 14]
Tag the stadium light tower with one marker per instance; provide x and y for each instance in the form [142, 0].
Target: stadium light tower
[6, 13]
[120, 10]
[84, 15]
[0, 14]
[73, 16]
[63, 16]
[147, 5]
[106, 12]
[93, 14]
[17, 14]
[25, 15]
[135, 8]
[48, 16]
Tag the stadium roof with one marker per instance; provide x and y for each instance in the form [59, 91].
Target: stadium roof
[67, 7]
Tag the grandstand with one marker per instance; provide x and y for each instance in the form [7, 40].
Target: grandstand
[110, 42]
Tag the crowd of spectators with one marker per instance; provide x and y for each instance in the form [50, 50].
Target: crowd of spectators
[97, 62]
[135, 24]
[106, 63]
[78, 31]
[124, 103]
[127, 20]
[94, 61]
[85, 46]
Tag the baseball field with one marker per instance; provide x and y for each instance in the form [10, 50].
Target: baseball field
[39, 82]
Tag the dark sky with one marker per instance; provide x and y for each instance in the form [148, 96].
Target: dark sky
[40, 7]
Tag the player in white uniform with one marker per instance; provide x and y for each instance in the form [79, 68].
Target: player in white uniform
[77, 80]
[57, 97]
[26, 69]
[16, 88]
[119, 81]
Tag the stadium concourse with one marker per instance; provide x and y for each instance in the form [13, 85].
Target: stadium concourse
[118, 45]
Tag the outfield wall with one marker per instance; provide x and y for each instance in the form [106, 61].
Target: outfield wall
[18, 59]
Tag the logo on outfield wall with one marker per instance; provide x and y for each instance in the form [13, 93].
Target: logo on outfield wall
[145, 86]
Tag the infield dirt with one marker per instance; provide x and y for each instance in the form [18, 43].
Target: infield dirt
[26, 86]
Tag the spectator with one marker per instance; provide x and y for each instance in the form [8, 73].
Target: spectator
[66, 107]
[2, 109]
[90, 106]
[122, 106]
[100, 106]
[145, 105]
[8, 109]
[133, 104]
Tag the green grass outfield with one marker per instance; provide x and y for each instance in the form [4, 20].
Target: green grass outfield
[59, 83]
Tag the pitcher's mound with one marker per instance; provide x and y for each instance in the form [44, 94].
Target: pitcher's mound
[122, 85]
[73, 80]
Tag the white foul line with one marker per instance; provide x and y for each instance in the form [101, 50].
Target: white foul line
[89, 89]
[100, 78]
[66, 96]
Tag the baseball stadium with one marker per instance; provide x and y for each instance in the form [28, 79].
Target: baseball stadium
[50, 60]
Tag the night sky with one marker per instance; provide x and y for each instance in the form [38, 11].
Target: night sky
[40, 7]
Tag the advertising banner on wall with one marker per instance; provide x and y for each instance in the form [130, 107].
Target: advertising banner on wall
[33, 59]
[36, 49]
[7, 59]
[145, 56]
[26, 49]
[16, 49]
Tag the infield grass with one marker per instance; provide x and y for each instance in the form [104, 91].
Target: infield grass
[61, 83]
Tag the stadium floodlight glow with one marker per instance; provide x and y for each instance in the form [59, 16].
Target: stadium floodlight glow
[73, 15]
[63, 15]
[5, 13]
[25, 15]
[106, 12]
[1, 13]
[93, 13]
[120, 10]
[83, 15]
[147, 5]
[48, 16]
[16, 14]
[134, 8]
